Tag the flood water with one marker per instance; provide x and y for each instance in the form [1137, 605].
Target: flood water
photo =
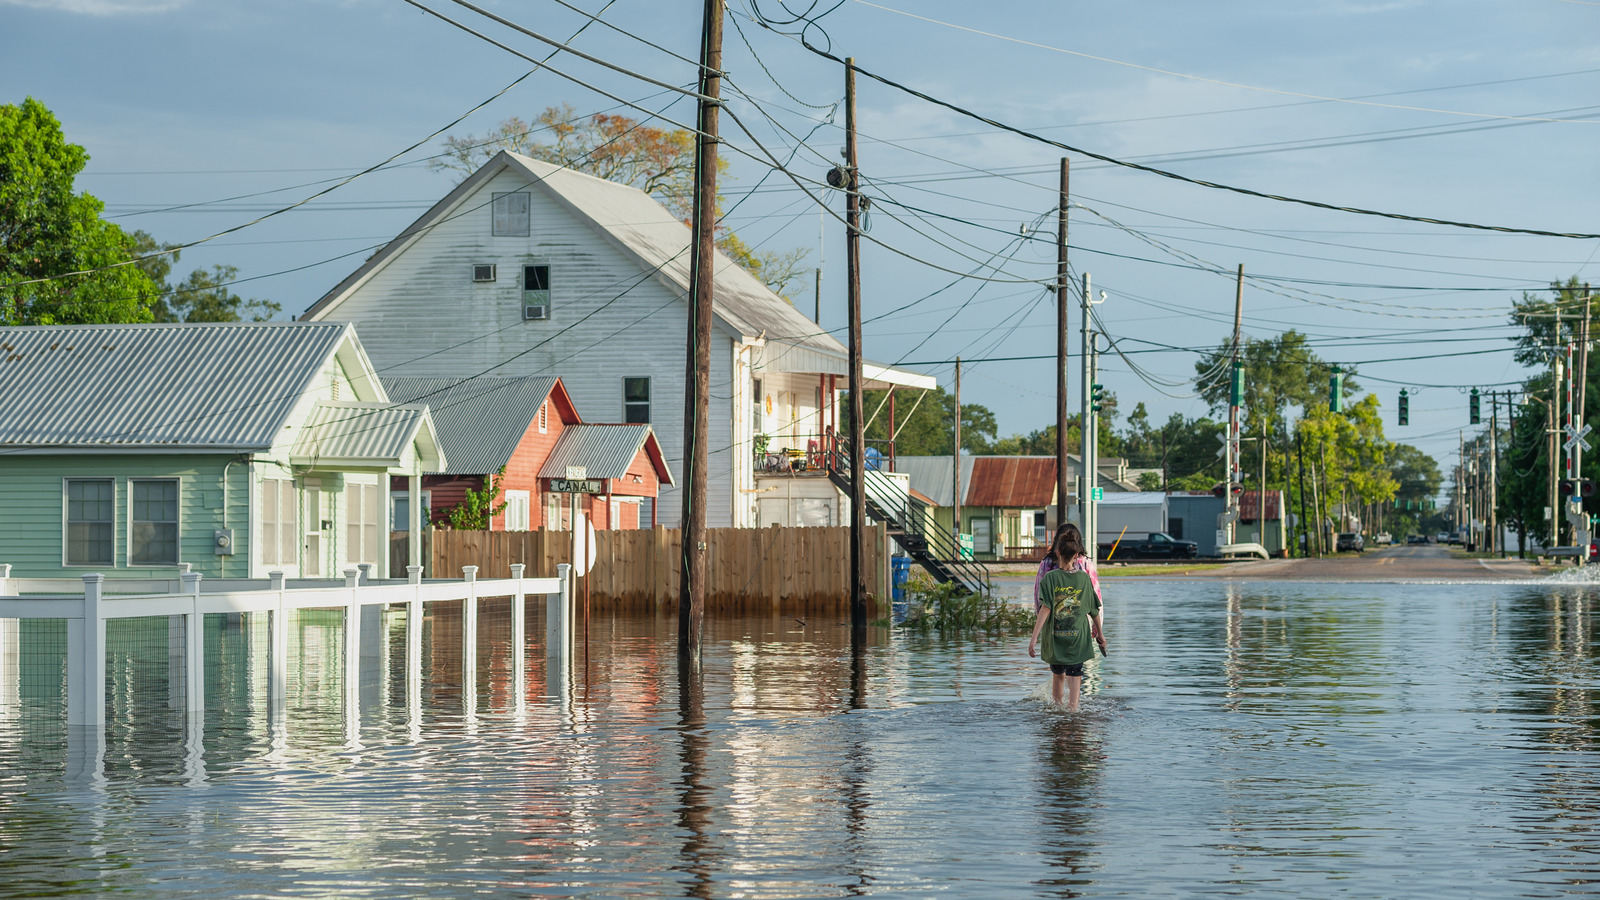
[1265, 739]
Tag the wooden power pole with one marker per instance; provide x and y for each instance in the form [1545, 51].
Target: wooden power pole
[1063, 297]
[858, 398]
[697, 383]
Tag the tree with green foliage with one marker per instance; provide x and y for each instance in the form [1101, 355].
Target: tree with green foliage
[48, 231]
[477, 508]
[1279, 373]
[203, 296]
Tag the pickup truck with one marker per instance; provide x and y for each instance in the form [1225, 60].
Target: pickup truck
[1155, 545]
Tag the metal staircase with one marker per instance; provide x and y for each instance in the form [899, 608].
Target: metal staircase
[910, 523]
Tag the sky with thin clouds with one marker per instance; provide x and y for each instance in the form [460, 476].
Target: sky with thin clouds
[1475, 111]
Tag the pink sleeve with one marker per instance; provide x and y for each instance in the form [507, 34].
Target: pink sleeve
[1094, 579]
[1038, 579]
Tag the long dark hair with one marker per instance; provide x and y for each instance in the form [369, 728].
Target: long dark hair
[1068, 545]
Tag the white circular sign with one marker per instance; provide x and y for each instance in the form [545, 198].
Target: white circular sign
[583, 547]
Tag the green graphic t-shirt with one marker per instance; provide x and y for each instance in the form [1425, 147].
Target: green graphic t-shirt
[1067, 639]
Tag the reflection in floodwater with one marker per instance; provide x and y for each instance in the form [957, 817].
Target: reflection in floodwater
[1394, 740]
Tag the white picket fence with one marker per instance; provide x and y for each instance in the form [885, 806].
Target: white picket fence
[87, 604]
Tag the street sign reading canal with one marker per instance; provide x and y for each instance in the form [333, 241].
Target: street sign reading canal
[577, 485]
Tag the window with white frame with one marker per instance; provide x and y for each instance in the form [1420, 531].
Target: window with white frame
[517, 511]
[402, 510]
[361, 522]
[153, 540]
[313, 501]
[636, 401]
[278, 525]
[91, 507]
[511, 214]
[554, 507]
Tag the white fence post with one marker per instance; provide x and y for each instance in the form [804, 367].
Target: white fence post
[414, 638]
[352, 639]
[469, 638]
[278, 644]
[519, 637]
[194, 655]
[86, 658]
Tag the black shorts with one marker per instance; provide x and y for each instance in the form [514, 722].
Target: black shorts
[1075, 670]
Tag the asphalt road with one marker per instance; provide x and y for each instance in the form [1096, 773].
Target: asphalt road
[1402, 562]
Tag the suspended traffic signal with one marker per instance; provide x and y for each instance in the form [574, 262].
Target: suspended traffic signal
[1567, 487]
[1236, 385]
[1336, 391]
[1405, 407]
[1097, 394]
[1472, 406]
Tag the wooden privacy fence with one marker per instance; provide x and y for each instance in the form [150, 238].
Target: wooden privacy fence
[747, 569]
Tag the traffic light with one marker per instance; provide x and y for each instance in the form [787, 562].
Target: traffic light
[1567, 487]
[1097, 393]
[1405, 407]
[1586, 488]
[1236, 385]
[1472, 406]
[1336, 391]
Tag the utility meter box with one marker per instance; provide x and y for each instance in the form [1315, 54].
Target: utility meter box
[222, 541]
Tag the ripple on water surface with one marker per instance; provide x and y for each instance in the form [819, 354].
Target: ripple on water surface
[1279, 739]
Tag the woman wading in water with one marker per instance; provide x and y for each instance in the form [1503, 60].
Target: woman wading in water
[1068, 617]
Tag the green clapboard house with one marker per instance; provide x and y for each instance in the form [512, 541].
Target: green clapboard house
[238, 448]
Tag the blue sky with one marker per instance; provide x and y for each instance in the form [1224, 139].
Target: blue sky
[1429, 109]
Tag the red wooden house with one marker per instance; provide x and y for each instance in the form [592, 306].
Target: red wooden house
[530, 428]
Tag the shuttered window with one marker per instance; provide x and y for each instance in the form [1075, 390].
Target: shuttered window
[517, 510]
[278, 526]
[361, 523]
[511, 215]
[91, 521]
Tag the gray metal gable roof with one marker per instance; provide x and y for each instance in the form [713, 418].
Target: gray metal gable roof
[215, 387]
[373, 433]
[605, 451]
[934, 476]
[479, 421]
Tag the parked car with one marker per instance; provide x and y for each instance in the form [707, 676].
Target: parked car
[1349, 540]
[1383, 539]
[1416, 539]
[1442, 538]
[1156, 545]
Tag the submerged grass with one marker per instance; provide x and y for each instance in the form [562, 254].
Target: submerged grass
[949, 608]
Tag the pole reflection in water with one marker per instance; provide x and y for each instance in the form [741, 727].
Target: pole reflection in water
[694, 799]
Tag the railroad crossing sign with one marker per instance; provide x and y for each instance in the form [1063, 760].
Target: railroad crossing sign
[1576, 437]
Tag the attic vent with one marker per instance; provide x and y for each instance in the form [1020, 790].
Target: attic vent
[335, 387]
[483, 273]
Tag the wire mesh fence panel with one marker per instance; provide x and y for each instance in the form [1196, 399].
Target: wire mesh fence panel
[33, 688]
[395, 659]
[441, 655]
[144, 665]
[494, 652]
[237, 657]
[314, 687]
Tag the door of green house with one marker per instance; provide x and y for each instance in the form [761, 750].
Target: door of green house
[982, 536]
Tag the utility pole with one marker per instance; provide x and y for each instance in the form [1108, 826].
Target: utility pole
[697, 394]
[1086, 483]
[1575, 399]
[1492, 514]
[822, 247]
[858, 452]
[955, 461]
[1091, 534]
[1553, 432]
[1261, 492]
[1063, 297]
[1230, 510]
[1305, 533]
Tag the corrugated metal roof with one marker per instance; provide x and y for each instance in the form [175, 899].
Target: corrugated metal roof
[479, 421]
[605, 451]
[933, 476]
[373, 433]
[170, 387]
[1249, 501]
[1015, 482]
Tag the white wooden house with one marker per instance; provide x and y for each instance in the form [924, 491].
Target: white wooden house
[528, 268]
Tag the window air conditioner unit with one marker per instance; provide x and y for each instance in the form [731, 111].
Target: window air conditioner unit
[534, 311]
[483, 273]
